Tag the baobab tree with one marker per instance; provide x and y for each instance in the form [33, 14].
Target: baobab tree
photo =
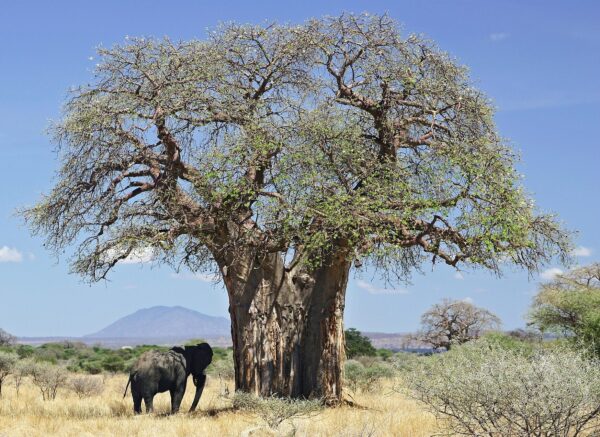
[453, 322]
[281, 156]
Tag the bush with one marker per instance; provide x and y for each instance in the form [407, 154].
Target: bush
[385, 354]
[274, 410]
[48, 378]
[405, 361]
[112, 363]
[512, 343]
[366, 377]
[353, 371]
[482, 389]
[85, 386]
[8, 361]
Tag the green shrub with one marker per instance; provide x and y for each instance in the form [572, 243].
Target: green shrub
[405, 361]
[508, 342]
[367, 377]
[482, 389]
[8, 361]
[385, 354]
[353, 372]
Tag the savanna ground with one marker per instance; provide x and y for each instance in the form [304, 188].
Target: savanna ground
[383, 412]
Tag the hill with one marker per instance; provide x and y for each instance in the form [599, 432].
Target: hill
[165, 322]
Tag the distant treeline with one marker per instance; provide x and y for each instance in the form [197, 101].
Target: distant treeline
[78, 357]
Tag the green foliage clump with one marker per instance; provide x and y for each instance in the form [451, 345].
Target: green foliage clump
[358, 344]
[511, 343]
[8, 361]
[385, 354]
[367, 375]
[570, 305]
[487, 388]
[405, 361]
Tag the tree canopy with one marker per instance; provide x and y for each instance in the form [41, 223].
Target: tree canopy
[358, 344]
[570, 305]
[297, 139]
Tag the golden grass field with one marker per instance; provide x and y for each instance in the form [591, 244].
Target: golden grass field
[384, 413]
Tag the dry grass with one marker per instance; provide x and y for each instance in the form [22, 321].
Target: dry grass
[385, 413]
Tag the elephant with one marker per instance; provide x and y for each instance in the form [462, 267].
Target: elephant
[157, 371]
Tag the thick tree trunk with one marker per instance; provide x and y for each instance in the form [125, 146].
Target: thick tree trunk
[287, 326]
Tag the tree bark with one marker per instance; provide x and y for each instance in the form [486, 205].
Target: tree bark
[287, 325]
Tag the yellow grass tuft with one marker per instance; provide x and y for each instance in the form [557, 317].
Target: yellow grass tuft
[385, 413]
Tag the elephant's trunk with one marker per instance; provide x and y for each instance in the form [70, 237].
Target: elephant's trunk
[199, 383]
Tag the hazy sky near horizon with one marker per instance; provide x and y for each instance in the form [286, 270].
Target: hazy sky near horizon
[538, 60]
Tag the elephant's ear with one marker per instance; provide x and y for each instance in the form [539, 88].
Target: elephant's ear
[202, 357]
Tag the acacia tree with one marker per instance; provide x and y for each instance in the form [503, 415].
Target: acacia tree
[570, 305]
[278, 155]
[454, 322]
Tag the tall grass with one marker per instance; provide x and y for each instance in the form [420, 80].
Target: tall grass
[382, 413]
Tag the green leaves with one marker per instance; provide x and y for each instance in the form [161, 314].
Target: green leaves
[337, 133]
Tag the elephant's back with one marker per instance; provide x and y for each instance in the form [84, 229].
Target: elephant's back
[151, 360]
[161, 367]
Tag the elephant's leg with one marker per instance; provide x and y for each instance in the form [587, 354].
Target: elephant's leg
[176, 398]
[137, 402]
[148, 399]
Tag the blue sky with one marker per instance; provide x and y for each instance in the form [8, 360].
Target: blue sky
[538, 60]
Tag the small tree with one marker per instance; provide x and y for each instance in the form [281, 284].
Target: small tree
[48, 378]
[6, 339]
[7, 365]
[454, 322]
[22, 369]
[358, 344]
[570, 305]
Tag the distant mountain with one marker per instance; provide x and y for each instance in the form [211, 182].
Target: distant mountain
[162, 322]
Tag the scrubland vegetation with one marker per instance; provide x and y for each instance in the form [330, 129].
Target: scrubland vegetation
[485, 384]
[497, 385]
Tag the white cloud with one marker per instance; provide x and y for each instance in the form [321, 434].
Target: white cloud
[459, 276]
[10, 255]
[549, 274]
[582, 251]
[372, 289]
[498, 36]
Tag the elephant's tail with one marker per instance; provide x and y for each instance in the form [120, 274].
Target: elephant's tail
[128, 382]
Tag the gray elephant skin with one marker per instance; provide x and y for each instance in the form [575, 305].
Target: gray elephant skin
[157, 372]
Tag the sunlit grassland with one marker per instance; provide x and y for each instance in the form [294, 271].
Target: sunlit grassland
[385, 412]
